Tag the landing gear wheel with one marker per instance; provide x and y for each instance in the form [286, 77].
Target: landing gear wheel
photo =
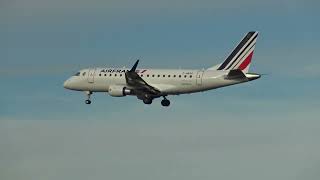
[165, 102]
[88, 93]
[147, 101]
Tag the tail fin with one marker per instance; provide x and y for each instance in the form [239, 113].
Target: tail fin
[241, 56]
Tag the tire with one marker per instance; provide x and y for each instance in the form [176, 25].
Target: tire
[147, 101]
[165, 102]
[88, 102]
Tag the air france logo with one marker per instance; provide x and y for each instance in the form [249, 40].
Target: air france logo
[121, 71]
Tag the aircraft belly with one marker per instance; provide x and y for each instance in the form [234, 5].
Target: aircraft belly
[175, 87]
[213, 83]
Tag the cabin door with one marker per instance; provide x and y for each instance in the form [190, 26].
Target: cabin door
[199, 77]
[91, 75]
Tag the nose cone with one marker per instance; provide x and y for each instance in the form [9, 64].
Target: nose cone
[66, 84]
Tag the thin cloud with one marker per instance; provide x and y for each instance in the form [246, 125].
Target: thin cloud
[219, 148]
[37, 70]
[310, 70]
[116, 8]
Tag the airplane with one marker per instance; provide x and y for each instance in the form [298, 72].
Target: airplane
[149, 84]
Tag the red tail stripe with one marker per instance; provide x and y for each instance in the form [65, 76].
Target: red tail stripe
[246, 62]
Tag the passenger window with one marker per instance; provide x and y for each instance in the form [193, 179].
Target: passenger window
[164, 75]
[174, 75]
[148, 75]
[115, 75]
[152, 75]
[179, 76]
[110, 74]
[120, 75]
[168, 75]
[190, 76]
[158, 75]
[99, 74]
[185, 76]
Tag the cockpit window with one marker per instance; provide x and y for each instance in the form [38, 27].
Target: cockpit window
[77, 74]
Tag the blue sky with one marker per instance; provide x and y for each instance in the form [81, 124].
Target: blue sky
[264, 129]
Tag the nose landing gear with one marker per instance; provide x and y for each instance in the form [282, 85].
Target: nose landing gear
[88, 93]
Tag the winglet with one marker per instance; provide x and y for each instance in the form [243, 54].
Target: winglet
[133, 69]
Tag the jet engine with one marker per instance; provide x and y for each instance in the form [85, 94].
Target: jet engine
[119, 91]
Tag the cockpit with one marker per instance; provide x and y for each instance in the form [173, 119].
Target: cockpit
[77, 74]
[83, 73]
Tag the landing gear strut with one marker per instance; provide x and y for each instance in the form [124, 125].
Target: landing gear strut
[88, 101]
[165, 102]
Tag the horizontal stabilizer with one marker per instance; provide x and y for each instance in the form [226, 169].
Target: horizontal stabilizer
[253, 76]
[236, 74]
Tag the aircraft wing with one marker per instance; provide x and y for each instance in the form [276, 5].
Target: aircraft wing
[138, 85]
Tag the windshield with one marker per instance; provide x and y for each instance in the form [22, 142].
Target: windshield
[77, 74]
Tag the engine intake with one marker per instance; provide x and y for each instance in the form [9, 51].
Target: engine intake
[119, 91]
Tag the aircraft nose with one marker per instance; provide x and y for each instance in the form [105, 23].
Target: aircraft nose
[66, 84]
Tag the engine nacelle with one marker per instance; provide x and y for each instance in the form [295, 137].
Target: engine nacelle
[119, 91]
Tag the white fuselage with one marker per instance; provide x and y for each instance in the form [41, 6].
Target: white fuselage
[148, 84]
[169, 82]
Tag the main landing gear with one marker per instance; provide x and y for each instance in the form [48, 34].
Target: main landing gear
[88, 101]
[165, 102]
[147, 101]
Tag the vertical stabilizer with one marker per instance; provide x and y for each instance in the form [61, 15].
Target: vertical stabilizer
[240, 57]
